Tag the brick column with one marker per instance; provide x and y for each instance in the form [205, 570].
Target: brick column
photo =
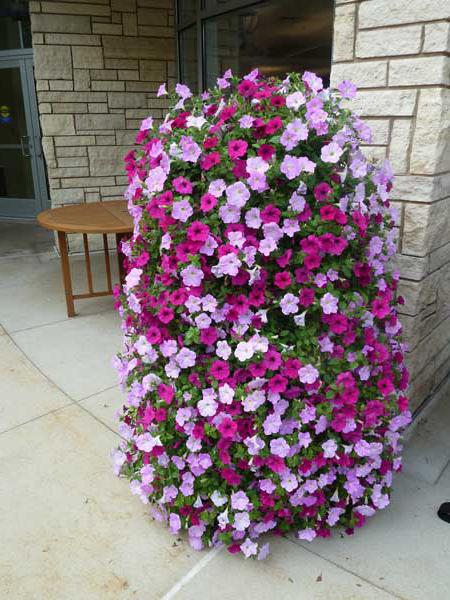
[397, 54]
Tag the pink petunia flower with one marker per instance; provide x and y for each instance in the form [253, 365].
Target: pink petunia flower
[237, 148]
[166, 392]
[308, 374]
[220, 370]
[198, 231]
[282, 279]
[227, 428]
[207, 202]
[182, 185]
[322, 191]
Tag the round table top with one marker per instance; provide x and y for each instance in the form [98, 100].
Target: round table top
[110, 216]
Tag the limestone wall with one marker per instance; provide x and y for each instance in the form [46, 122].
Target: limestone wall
[397, 54]
[98, 64]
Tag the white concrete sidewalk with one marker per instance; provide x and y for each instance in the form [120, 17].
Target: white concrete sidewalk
[70, 530]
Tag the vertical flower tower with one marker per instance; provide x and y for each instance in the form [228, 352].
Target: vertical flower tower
[262, 362]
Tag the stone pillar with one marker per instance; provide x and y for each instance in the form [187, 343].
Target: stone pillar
[397, 54]
[98, 65]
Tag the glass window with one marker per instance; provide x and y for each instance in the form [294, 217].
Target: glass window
[15, 31]
[16, 178]
[211, 4]
[188, 57]
[187, 10]
[276, 36]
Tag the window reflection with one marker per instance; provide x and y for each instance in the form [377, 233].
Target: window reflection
[275, 36]
[15, 31]
[188, 57]
[210, 4]
[186, 10]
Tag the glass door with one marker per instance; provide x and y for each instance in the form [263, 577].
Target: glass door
[22, 177]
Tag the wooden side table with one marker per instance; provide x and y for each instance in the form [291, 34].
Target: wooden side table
[97, 217]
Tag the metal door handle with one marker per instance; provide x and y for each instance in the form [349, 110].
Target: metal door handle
[24, 144]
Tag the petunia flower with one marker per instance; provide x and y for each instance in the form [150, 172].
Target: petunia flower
[308, 374]
[331, 153]
[162, 91]
[237, 148]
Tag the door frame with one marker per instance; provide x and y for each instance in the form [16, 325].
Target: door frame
[23, 59]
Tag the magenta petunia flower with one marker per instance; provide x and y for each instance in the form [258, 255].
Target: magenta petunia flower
[210, 160]
[166, 314]
[307, 296]
[237, 148]
[220, 370]
[208, 336]
[198, 231]
[178, 297]
[270, 214]
[380, 308]
[282, 280]
[322, 191]
[207, 202]
[166, 392]
[277, 383]
[273, 125]
[246, 88]
[266, 151]
[227, 428]
[386, 386]
[182, 185]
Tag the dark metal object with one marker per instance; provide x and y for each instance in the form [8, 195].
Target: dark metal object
[444, 512]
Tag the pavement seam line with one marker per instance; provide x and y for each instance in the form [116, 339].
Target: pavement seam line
[342, 568]
[27, 255]
[192, 573]
[83, 408]
[65, 394]
[46, 414]
[110, 387]
[66, 320]
[46, 377]
[447, 464]
[71, 402]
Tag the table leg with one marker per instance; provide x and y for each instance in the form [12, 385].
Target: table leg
[87, 260]
[120, 259]
[107, 262]
[65, 268]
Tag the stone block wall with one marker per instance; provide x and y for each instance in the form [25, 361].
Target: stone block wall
[397, 52]
[98, 65]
